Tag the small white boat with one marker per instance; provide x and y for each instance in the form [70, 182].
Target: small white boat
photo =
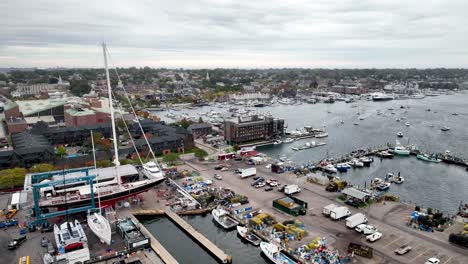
[321, 135]
[100, 227]
[356, 163]
[245, 234]
[221, 217]
[288, 140]
[445, 128]
[152, 171]
[376, 182]
[399, 134]
[277, 142]
[400, 150]
[384, 186]
[407, 124]
[398, 179]
[330, 168]
[274, 254]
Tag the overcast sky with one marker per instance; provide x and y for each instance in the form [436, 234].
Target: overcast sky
[241, 34]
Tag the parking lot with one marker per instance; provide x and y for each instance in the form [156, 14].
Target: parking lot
[336, 231]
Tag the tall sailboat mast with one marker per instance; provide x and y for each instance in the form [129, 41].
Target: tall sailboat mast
[111, 109]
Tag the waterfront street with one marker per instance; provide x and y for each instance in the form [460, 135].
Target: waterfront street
[388, 218]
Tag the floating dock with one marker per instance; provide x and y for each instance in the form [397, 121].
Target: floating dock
[199, 238]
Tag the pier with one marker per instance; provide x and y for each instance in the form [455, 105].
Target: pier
[165, 256]
[199, 238]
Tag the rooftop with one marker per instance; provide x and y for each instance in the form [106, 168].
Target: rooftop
[80, 112]
[355, 193]
[29, 107]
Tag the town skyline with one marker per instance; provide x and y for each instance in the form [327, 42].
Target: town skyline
[232, 34]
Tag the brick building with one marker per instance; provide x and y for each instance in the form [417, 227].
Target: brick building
[252, 128]
[200, 130]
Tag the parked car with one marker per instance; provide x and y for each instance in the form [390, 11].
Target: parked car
[218, 176]
[260, 185]
[218, 167]
[16, 242]
[352, 202]
[44, 242]
[432, 261]
[369, 230]
[47, 229]
[50, 249]
[256, 178]
[274, 183]
[268, 189]
[360, 228]
[374, 237]
[403, 250]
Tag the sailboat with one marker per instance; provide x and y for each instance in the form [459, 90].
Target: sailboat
[106, 192]
[96, 221]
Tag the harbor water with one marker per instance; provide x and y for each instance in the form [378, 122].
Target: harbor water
[185, 250]
[359, 125]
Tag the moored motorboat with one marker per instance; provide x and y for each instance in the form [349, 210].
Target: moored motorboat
[321, 135]
[428, 158]
[398, 179]
[277, 142]
[249, 236]
[384, 186]
[399, 134]
[274, 254]
[376, 182]
[400, 150]
[445, 128]
[288, 140]
[342, 167]
[330, 168]
[366, 161]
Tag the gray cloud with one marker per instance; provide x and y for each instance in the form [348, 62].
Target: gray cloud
[230, 33]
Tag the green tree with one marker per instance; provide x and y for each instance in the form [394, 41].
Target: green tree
[61, 151]
[200, 154]
[184, 123]
[170, 158]
[79, 87]
[236, 147]
[42, 167]
[104, 163]
[11, 178]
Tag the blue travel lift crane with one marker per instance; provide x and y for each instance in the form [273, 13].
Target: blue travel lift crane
[41, 219]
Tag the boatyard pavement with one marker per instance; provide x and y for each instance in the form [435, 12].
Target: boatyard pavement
[389, 218]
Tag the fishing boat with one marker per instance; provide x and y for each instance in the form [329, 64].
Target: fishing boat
[356, 163]
[330, 168]
[399, 134]
[445, 128]
[428, 158]
[407, 124]
[384, 186]
[402, 151]
[248, 236]
[288, 140]
[221, 217]
[274, 254]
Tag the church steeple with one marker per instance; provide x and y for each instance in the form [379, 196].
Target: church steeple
[207, 76]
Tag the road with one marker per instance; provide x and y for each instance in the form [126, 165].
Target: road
[395, 234]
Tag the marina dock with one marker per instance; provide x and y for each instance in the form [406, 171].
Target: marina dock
[199, 238]
[165, 256]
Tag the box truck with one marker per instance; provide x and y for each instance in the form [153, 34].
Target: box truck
[244, 173]
[356, 220]
[339, 213]
[291, 189]
[327, 209]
